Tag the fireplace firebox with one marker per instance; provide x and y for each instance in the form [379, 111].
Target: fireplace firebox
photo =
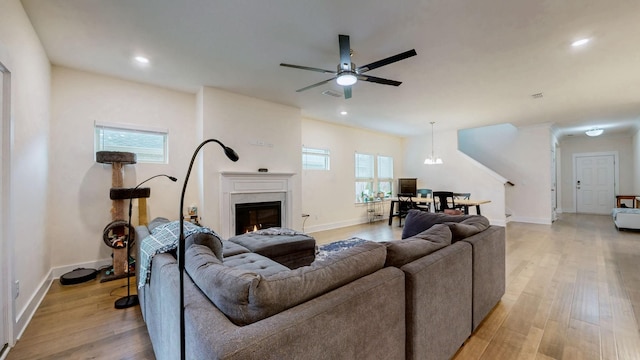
[258, 215]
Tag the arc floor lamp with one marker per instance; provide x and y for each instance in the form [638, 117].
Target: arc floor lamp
[233, 156]
[132, 300]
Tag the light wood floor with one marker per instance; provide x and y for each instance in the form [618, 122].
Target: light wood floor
[573, 292]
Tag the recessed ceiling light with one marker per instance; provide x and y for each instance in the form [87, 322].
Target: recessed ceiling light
[343, 113]
[580, 42]
[141, 59]
[594, 132]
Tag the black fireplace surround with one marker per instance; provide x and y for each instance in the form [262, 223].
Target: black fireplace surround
[259, 215]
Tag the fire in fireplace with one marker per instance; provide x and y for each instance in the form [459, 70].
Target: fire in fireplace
[256, 216]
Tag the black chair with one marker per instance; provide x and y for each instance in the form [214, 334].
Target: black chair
[464, 196]
[443, 200]
[424, 193]
[405, 203]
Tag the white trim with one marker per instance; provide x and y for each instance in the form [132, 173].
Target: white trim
[529, 220]
[253, 184]
[24, 318]
[58, 271]
[137, 127]
[7, 302]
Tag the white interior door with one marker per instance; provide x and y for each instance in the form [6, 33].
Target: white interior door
[595, 184]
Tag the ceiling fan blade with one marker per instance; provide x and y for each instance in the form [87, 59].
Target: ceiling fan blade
[345, 52]
[308, 68]
[378, 80]
[316, 84]
[347, 92]
[387, 61]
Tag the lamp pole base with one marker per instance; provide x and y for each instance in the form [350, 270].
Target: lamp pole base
[127, 302]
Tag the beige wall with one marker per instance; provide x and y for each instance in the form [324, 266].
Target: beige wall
[264, 134]
[25, 211]
[458, 173]
[79, 206]
[329, 196]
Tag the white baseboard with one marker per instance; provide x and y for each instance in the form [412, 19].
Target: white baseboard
[502, 223]
[530, 220]
[24, 317]
[336, 225]
[56, 272]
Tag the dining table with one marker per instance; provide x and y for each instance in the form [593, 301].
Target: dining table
[465, 203]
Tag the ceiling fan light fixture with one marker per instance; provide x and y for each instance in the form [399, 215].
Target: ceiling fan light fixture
[580, 42]
[346, 79]
[594, 132]
[141, 59]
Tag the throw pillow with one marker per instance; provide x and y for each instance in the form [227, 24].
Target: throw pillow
[418, 221]
[402, 252]
[468, 227]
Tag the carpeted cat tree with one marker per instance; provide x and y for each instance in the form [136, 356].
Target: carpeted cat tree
[115, 233]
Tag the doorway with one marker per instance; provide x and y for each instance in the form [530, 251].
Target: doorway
[595, 182]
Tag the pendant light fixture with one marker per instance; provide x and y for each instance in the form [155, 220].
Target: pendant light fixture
[432, 160]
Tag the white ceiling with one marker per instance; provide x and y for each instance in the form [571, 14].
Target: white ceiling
[478, 62]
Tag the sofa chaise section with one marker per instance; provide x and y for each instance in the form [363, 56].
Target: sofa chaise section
[361, 316]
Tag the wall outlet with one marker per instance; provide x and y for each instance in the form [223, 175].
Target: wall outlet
[16, 290]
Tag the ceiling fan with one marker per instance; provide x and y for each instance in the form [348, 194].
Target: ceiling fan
[347, 73]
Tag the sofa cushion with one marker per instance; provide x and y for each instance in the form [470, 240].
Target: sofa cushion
[262, 265]
[275, 242]
[418, 221]
[402, 252]
[230, 249]
[467, 227]
[245, 296]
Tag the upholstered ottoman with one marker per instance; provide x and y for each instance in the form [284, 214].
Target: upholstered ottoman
[287, 247]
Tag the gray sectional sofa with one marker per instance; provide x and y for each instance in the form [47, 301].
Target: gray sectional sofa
[415, 298]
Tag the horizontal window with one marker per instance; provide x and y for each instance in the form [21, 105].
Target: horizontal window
[150, 145]
[315, 159]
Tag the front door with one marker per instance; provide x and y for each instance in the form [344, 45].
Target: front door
[595, 184]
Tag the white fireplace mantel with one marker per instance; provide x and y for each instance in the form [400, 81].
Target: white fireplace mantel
[243, 187]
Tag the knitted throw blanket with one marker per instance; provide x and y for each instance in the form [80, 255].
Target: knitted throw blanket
[162, 239]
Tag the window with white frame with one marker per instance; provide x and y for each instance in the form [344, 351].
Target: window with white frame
[373, 175]
[149, 144]
[385, 175]
[315, 159]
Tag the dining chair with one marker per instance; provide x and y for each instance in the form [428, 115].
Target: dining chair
[424, 193]
[459, 196]
[405, 203]
[443, 200]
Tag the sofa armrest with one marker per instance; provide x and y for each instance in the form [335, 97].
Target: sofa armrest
[488, 271]
[438, 305]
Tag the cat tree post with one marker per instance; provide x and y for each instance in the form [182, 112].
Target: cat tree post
[118, 159]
